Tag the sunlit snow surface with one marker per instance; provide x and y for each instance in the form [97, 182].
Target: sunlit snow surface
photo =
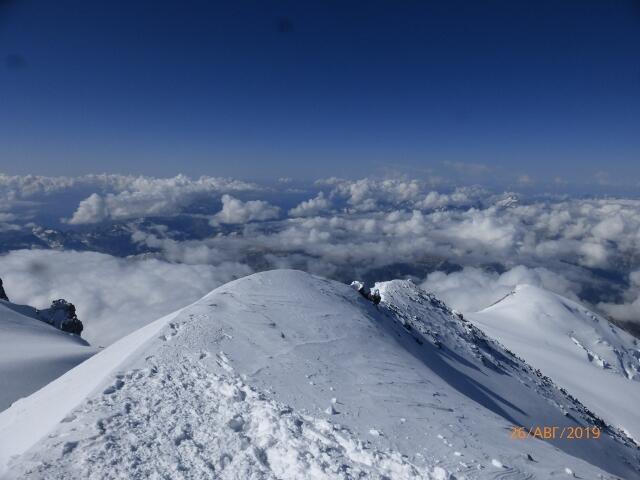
[286, 375]
[593, 359]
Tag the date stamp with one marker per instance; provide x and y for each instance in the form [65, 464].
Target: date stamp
[554, 432]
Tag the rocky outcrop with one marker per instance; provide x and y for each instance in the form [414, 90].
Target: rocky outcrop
[62, 315]
[3, 295]
[372, 296]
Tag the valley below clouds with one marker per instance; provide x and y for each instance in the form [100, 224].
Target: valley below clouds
[128, 249]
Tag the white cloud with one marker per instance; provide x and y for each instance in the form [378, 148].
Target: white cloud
[144, 196]
[371, 194]
[93, 209]
[25, 186]
[313, 206]
[237, 211]
[565, 236]
[113, 296]
[629, 309]
[356, 226]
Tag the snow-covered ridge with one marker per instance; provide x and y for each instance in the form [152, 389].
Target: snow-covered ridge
[32, 352]
[590, 357]
[282, 372]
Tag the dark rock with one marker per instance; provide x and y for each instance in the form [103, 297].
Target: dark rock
[367, 293]
[62, 315]
[3, 295]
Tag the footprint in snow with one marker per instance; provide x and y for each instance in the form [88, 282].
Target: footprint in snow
[69, 447]
[175, 329]
[236, 423]
[69, 418]
[114, 388]
[331, 410]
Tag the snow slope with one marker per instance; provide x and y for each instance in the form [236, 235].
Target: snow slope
[286, 375]
[590, 357]
[33, 353]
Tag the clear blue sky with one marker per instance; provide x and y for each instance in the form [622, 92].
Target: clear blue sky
[306, 89]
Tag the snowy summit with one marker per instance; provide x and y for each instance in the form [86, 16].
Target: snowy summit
[286, 375]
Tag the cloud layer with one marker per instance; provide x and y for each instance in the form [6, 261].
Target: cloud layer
[114, 296]
[468, 244]
[143, 197]
[116, 197]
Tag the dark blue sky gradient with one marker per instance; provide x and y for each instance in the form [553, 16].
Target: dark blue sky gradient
[307, 89]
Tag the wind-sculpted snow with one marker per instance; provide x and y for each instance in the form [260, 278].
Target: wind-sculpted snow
[286, 375]
[33, 353]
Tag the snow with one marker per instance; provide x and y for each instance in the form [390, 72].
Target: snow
[31, 418]
[237, 384]
[33, 353]
[254, 437]
[594, 360]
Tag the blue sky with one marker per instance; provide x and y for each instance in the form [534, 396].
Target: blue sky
[267, 89]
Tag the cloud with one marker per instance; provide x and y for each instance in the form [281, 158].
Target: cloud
[93, 209]
[367, 195]
[370, 228]
[629, 309]
[103, 197]
[371, 194]
[237, 211]
[144, 197]
[114, 296]
[568, 236]
[575, 247]
[311, 207]
[460, 197]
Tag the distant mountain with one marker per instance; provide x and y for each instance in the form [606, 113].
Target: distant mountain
[286, 375]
